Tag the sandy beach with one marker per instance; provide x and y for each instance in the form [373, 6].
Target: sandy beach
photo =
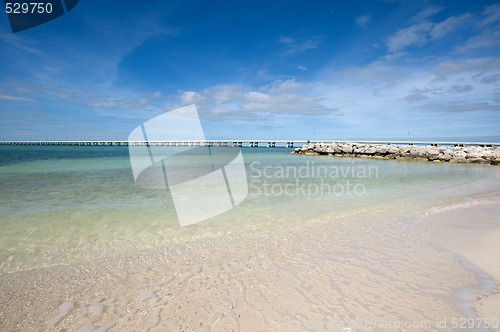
[473, 233]
[362, 274]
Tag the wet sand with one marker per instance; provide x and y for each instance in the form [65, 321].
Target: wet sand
[473, 233]
[363, 274]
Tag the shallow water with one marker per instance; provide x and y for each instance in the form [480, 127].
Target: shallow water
[66, 204]
[368, 268]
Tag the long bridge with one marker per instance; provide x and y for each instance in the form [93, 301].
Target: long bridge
[235, 143]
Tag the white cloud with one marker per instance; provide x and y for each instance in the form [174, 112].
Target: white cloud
[489, 21]
[302, 67]
[7, 97]
[190, 97]
[460, 107]
[282, 102]
[396, 97]
[422, 30]
[415, 97]
[491, 15]
[490, 78]
[293, 46]
[219, 110]
[286, 40]
[488, 38]
[237, 102]
[156, 94]
[478, 66]
[279, 86]
[451, 24]
[100, 102]
[362, 20]
[415, 34]
[225, 93]
[376, 71]
[15, 41]
[425, 14]
[265, 75]
[381, 97]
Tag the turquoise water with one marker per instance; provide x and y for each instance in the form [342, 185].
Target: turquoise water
[63, 204]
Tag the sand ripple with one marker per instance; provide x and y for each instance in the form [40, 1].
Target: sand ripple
[261, 280]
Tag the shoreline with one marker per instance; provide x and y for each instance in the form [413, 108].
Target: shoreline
[472, 233]
[371, 264]
[433, 153]
[359, 268]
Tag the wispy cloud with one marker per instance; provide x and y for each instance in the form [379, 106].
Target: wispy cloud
[425, 14]
[415, 34]
[156, 94]
[489, 36]
[486, 39]
[7, 97]
[13, 41]
[286, 40]
[475, 67]
[363, 20]
[414, 97]
[293, 46]
[449, 25]
[461, 107]
[491, 15]
[490, 79]
[395, 95]
[423, 30]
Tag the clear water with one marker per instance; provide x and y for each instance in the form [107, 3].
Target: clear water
[63, 204]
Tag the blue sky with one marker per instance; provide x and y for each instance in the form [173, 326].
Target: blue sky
[257, 69]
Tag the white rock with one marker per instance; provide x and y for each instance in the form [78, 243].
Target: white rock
[347, 148]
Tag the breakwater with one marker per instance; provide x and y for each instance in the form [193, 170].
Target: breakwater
[432, 152]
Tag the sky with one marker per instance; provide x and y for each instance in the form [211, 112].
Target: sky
[257, 69]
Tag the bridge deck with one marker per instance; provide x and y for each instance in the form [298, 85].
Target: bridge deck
[238, 143]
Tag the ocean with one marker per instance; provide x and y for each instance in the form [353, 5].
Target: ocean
[317, 239]
[63, 204]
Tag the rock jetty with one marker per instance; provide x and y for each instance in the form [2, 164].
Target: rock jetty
[453, 154]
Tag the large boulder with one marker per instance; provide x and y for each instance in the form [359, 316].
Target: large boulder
[330, 149]
[445, 154]
[382, 149]
[360, 148]
[347, 148]
[473, 152]
[417, 152]
[459, 154]
[371, 150]
[432, 153]
[495, 156]
[404, 149]
[393, 149]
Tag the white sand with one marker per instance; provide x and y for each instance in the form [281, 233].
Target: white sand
[368, 270]
[473, 233]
